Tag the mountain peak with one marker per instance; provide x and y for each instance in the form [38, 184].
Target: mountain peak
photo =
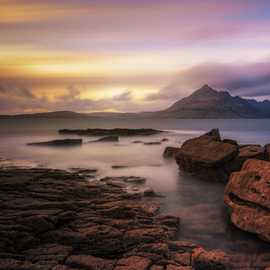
[205, 89]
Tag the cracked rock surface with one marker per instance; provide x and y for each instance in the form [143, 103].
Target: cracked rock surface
[57, 220]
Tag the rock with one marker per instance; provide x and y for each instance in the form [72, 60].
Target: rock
[137, 142]
[144, 235]
[152, 143]
[230, 141]
[207, 157]
[251, 152]
[89, 262]
[170, 152]
[111, 132]
[267, 152]
[165, 140]
[211, 260]
[59, 143]
[248, 197]
[133, 263]
[149, 192]
[119, 166]
[111, 138]
[178, 267]
[214, 133]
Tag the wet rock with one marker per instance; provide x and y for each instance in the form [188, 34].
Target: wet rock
[178, 267]
[111, 132]
[119, 166]
[207, 157]
[210, 260]
[89, 262]
[267, 152]
[133, 263]
[111, 138]
[126, 179]
[170, 152]
[149, 192]
[248, 197]
[152, 143]
[144, 235]
[214, 134]
[230, 141]
[59, 143]
[250, 152]
[84, 171]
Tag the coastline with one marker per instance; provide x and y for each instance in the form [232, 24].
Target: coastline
[58, 220]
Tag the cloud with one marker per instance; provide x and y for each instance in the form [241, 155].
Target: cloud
[125, 96]
[14, 99]
[250, 80]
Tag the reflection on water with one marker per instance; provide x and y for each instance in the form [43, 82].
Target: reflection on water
[198, 203]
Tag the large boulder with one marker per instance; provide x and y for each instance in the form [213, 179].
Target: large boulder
[207, 156]
[248, 197]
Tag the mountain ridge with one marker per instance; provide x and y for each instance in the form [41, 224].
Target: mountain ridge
[205, 102]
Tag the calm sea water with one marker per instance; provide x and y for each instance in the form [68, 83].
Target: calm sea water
[198, 203]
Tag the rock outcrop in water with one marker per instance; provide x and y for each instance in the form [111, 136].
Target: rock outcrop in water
[248, 197]
[111, 132]
[211, 158]
[112, 138]
[170, 152]
[207, 156]
[59, 143]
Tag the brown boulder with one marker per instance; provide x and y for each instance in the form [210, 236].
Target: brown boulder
[210, 260]
[248, 198]
[170, 152]
[207, 157]
[267, 152]
[251, 151]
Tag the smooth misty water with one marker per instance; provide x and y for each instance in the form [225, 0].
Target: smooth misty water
[198, 203]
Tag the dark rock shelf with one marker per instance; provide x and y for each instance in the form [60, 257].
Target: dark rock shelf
[110, 132]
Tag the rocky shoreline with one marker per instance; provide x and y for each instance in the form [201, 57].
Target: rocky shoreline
[54, 219]
[58, 220]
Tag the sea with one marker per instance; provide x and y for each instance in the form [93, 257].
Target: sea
[199, 204]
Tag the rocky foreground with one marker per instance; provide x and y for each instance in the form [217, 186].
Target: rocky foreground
[58, 220]
[248, 198]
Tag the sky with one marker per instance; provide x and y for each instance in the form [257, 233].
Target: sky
[129, 56]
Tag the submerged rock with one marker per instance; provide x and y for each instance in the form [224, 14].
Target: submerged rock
[111, 132]
[152, 143]
[107, 139]
[170, 152]
[60, 143]
[119, 166]
[248, 197]
[207, 157]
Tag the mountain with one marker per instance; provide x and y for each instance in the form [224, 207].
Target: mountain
[209, 103]
[56, 114]
[203, 103]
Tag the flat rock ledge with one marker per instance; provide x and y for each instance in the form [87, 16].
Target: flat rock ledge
[57, 220]
[111, 132]
[248, 197]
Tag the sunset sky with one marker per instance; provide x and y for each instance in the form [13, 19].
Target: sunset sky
[123, 55]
